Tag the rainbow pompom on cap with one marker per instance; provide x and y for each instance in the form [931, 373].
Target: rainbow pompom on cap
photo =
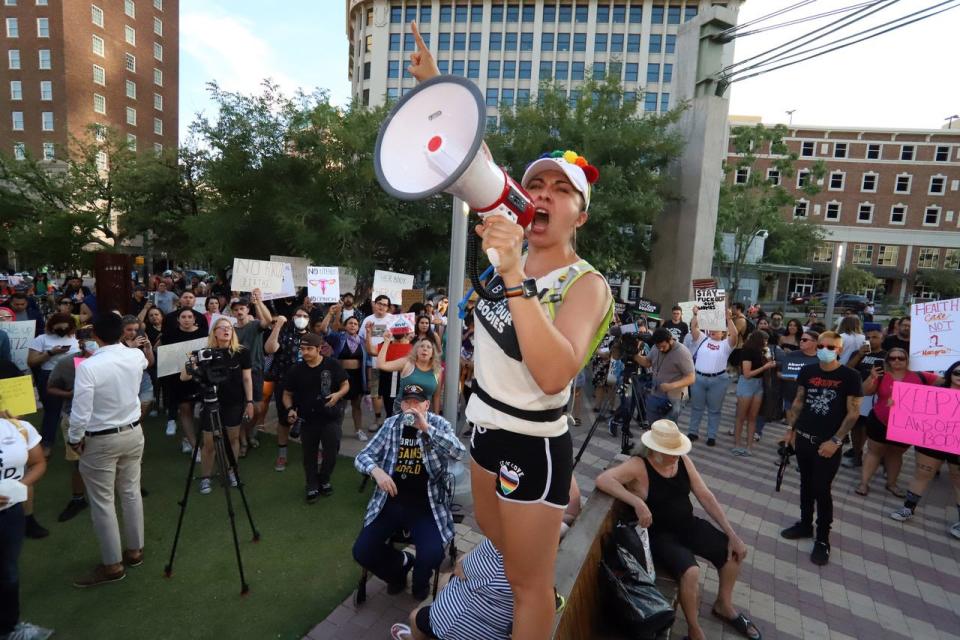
[580, 172]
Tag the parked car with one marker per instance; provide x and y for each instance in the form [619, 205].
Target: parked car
[850, 301]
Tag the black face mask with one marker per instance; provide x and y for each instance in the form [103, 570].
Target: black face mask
[61, 331]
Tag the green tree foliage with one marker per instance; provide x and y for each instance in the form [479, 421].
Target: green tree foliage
[758, 205]
[855, 279]
[631, 152]
[943, 281]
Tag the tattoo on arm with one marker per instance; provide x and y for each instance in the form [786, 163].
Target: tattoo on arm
[796, 407]
[853, 414]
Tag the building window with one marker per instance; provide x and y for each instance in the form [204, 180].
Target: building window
[158, 51]
[616, 43]
[446, 13]
[48, 153]
[636, 14]
[938, 185]
[650, 101]
[631, 72]
[633, 43]
[158, 26]
[17, 117]
[98, 46]
[460, 42]
[100, 133]
[396, 15]
[130, 35]
[603, 13]
[580, 42]
[667, 73]
[496, 13]
[561, 69]
[599, 70]
[130, 62]
[496, 42]
[773, 177]
[657, 15]
[476, 42]
[510, 44]
[656, 43]
[508, 97]
[13, 28]
[863, 254]
[46, 90]
[130, 8]
[928, 258]
[563, 42]
[546, 42]
[653, 72]
[904, 181]
[837, 178]
[526, 41]
[865, 213]
[942, 154]
[808, 149]
[13, 59]
[457, 69]
[823, 253]
[473, 69]
[743, 175]
[158, 77]
[476, 13]
[670, 43]
[803, 178]
[393, 69]
[800, 209]
[523, 96]
[443, 44]
[619, 14]
[906, 152]
[840, 150]
[951, 259]
[493, 69]
[102, 160]
[19, 151]
[366, 70]
[96, 15]
[16, 90]
[493, 97]
[546, 70]
[524, 73]
[673, 15]
[581, 14]
[833, 211]
[99, 75]
[576, 71]
[46, 120]
[44, 59]
[869, 183]
[931, 216]
[629, 97]
[131, 142]
[99, 104]
[898, 214]
[873, 152]
[888, 255]
[460, 13]
[131, 116]
[41, 3]
[158, 102]
[43, 27]
[158, 126]
[131, 89]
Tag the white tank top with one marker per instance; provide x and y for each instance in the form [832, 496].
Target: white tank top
[499, 369]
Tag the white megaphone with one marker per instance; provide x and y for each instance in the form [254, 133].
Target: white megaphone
[432, 142]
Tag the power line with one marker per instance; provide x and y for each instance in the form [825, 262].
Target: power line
[727, 81]
[727, 33]
[816, 16]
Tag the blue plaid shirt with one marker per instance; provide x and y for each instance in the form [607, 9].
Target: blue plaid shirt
[439, 445]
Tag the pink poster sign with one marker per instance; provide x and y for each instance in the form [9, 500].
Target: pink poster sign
[925, 416]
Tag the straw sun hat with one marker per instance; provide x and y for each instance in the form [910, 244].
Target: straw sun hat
[664, 436]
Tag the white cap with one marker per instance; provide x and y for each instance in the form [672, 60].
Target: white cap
[575, 173]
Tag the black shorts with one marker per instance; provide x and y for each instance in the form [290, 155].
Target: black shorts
[231, 415]
[674, 551]
[527, 468]
[945, 456]
[877, 431]
[423, 622]
[355, 376]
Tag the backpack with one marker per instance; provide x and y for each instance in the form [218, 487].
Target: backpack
[552, 297]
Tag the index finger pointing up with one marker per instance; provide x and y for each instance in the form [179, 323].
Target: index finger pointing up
[416, 34]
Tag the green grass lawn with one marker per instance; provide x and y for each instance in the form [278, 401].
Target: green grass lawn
[300, 570]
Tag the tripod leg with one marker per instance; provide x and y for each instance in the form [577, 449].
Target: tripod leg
[168, 570]
[232, 465]
[222, 469]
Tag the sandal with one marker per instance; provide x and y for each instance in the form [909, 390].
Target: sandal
[741, 623]
[400, 631]
[895, 490]
[863, 492]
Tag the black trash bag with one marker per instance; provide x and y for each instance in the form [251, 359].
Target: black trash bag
[631, 599]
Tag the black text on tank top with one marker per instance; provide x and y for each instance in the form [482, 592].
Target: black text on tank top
[496, 319]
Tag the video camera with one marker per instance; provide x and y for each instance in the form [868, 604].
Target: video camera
[209, 366]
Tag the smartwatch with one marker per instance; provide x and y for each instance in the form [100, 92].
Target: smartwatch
[526, 289]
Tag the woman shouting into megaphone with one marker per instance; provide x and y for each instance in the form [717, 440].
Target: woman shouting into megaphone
[529, 346]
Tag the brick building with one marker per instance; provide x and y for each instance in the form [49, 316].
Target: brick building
[890, 198]
[67, 64]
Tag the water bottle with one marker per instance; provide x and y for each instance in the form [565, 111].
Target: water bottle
[409, 419]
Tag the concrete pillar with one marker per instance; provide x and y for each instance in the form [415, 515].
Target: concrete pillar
[684, 233]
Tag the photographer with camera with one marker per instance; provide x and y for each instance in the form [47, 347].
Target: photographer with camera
[226, 364]
[312, 393]
[671, 365]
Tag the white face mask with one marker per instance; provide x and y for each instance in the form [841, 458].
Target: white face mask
[91, 346]
[300, 322]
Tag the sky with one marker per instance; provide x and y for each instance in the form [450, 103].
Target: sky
[903, 79]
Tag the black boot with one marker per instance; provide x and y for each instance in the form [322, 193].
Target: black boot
[33, 529]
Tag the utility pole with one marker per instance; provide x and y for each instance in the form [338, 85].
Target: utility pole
[789, 113]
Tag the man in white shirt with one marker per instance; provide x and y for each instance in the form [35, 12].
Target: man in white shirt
[105, 431]
[372, 332]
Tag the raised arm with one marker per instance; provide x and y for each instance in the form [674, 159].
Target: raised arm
[273, 341]
[263, 313]
[389, 365]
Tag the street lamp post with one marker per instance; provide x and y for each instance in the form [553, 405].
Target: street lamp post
[950, 120]
[789, 113]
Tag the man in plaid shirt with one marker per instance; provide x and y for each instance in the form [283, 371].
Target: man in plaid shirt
[408, 459]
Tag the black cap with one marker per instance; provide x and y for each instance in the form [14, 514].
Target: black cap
[311, 340]
[414, 391]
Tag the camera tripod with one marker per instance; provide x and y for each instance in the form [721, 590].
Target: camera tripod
[225, 462]
[631, 393]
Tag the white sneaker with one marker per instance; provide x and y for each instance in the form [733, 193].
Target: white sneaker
[905, 513]
[361, 436]
[27, 631]
[171, 427]
[233, 478]
[955, 530]
[185, 446]
[205, 486]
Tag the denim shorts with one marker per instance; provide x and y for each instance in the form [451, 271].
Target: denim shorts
[749, 387]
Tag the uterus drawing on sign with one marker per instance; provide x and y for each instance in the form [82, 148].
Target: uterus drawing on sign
[323, 283]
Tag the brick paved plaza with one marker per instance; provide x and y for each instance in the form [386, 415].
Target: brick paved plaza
[885, 579]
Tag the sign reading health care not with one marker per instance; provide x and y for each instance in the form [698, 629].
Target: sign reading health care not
[257, 274]
[925, 416]
[934, 335]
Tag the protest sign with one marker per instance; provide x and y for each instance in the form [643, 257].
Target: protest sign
[934, 335]
[402, 323]
[409, 297]
[299, 266]
[711, 309]
[348, 281]
[323, 284]
[925, 416]
[686, 310]
[170, 357]
[200, 305]
[374, 328]
[649, 307]
[21, 334]
[390, 284]
[256, 274]
[16, 396]
[287, 288]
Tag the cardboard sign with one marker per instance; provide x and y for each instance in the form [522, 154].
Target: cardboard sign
[410, 297]
[925, 416]
[171, 357]
[323, 284]
[374, 328]
[16, 396]
[646, 306]
[21, 334]
[287, 288]
[712, 309]
[934, 335]
[257, 274]
[390, 284]
[299, 266]
[686, 310]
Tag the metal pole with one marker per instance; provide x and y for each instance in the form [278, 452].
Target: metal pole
[834, 275]
[458, 251]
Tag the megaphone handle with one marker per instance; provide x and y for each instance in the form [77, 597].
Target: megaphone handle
[494, 256]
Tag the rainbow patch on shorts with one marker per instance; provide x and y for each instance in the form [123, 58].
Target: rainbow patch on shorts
[509, 480]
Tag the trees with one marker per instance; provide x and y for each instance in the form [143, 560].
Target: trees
[943, 281]
[753, 203]
[854, 279]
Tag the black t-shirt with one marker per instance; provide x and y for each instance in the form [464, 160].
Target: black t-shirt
[790, 367]
[678, 329]
[170, 322]
[869, 362]
[175, 335]
[895, 342]
[230, 392]
[153, 334]
[825, 404]
[410, 474]
[753, 356]
[310, 387]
